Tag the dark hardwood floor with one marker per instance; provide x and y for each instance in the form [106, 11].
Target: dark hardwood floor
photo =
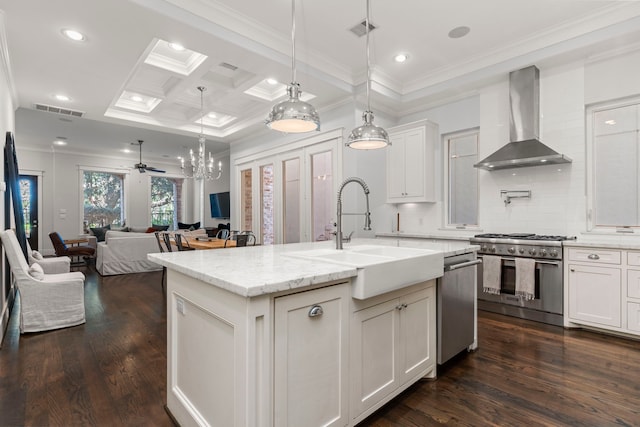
[111, 371]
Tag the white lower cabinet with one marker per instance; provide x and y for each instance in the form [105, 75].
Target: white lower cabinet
[603, 289]
[594, 294]
[310, 361]
[393, 343]
[633, 316]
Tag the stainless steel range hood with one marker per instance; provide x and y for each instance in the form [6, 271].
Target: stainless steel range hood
[525, 149]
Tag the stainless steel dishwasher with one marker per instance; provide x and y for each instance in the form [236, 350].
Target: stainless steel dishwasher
[457, 306]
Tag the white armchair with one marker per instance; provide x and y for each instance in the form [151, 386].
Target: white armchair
[47, 301]
[55, 265]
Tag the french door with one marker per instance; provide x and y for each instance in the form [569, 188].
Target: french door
[290, 196]
[29, 195]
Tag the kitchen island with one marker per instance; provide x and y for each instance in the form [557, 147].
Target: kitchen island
[264, 336]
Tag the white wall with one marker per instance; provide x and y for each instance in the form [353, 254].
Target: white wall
[7, 124]
[62, 203]
[558, 203]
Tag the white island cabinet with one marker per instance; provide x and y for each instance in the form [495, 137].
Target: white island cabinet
[258, 338]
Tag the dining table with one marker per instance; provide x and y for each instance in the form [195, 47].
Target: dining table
[211, 243]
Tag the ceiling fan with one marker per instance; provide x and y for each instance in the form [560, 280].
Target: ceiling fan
[142, 168]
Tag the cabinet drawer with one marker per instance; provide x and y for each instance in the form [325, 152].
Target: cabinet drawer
[633, 258]
[597, 256]
[633, 316]
[633, 283]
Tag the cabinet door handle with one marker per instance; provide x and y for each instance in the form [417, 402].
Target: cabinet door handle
[316, 311]
[573, 270]
[593, 256]
[401, 306]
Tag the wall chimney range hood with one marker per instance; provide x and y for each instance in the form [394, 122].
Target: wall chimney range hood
[525, 149]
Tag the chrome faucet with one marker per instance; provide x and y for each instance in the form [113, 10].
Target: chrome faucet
[367, 214]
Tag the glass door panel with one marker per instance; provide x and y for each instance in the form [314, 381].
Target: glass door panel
[322, 188]
[291, 200]
[267, 204]
[246, 200]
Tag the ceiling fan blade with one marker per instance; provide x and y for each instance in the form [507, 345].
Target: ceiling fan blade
[152, 169]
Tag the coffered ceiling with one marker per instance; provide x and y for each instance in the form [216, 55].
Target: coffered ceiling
[127, 83]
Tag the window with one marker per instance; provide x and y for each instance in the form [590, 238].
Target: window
[165, 196]
[461, 151]
[613, 171]
[291, 200]
[322, 189]
[103, 194]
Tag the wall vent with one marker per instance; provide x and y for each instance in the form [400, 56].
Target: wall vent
[361, 29]
[59, 110]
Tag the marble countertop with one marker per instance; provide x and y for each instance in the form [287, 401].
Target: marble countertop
[605, 242]
[462, 236]
[258, 270]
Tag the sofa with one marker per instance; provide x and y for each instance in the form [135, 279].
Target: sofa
[126, 252]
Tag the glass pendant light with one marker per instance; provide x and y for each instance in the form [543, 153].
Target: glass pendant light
[293, 115]
[368, 136]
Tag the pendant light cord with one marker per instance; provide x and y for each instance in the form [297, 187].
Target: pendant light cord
[368, 61]
[293, 41]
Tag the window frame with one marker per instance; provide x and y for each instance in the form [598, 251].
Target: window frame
[125, 190]
[590, 165]
[177, 202]
[447, 181]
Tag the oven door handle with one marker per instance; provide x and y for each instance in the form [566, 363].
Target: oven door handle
[554, 263]
[462, 265]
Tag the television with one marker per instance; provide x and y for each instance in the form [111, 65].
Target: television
[220, 205]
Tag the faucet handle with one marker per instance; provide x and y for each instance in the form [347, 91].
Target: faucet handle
[348, 238]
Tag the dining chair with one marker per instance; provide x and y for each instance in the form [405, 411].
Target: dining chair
[251, 238]
[182, 244]
[223, 233]
[162, 250]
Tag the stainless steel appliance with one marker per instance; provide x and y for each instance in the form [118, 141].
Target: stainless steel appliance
[456, 305]
[547, 305]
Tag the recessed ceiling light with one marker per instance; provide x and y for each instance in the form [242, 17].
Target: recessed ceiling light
[176, 46]
[212, 115]
[401, 57]
[610, 122]
[126, 150]
[59, 142]
[74, 35]
[271, 81]
[61, 97]
[136, 98]
[458, 32]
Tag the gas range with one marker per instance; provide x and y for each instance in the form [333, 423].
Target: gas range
[527, 245]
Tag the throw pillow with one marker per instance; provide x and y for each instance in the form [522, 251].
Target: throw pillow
[158, 227]
[36, 271]
[151, 230]
[125, 229]
[99, 232]
[183, 226]
[36, 255]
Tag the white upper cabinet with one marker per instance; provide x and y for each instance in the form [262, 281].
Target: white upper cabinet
[411, 163]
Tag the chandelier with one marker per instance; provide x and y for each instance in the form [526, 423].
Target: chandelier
[199, 167]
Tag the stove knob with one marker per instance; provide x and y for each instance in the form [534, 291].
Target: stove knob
[543, 252]
[532, 251]
[484, 248]
[553, 252]
[511, 250]
[521, 250]
[493, 249]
